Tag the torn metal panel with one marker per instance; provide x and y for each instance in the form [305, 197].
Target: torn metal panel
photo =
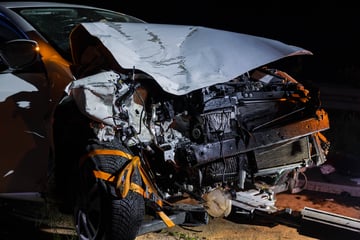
[185, 58]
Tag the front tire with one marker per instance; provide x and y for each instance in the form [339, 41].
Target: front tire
[100, 218]
[100, 214]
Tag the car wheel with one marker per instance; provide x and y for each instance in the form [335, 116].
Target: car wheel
[101, 214]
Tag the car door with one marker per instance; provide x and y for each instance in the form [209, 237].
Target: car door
[24, 118]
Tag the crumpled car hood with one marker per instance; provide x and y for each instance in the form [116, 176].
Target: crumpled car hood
[185, 58]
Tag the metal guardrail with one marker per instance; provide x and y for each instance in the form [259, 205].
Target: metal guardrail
[331, 219]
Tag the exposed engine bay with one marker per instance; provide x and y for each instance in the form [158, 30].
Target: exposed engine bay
[182, 130]
[259, 132]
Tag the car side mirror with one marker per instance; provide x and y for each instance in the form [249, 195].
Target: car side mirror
[18, 54]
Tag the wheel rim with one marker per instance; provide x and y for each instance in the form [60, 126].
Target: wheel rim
[88, 216]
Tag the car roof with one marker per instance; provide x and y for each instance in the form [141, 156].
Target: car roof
[19, 4]
[34, 4]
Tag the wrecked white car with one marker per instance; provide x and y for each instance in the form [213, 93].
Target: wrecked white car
[180, 123]
[160, 125]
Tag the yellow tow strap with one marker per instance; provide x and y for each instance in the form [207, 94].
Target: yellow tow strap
[123, 180]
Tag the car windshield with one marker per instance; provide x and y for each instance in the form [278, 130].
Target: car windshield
[56, 23]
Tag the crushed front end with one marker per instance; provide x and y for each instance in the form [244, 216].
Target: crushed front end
[216, 131]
